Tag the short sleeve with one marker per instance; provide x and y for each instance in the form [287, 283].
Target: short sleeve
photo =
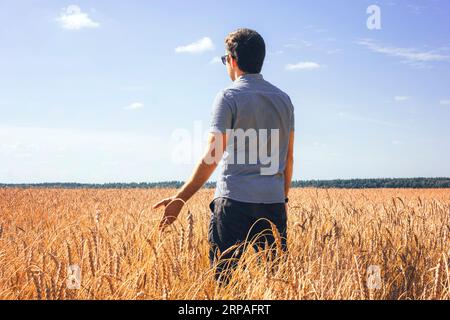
[292, 115]
[222, 114]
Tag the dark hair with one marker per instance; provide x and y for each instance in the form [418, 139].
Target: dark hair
[248, 48]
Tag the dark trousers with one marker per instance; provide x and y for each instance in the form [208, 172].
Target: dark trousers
[238, 223]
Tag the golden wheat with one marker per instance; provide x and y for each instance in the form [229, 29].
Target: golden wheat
[333, 237]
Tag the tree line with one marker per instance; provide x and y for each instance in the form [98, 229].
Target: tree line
[410, 183]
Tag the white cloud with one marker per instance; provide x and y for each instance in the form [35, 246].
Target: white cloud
[72, 18]
[299, 44]
[134, 106]
[135, 88]
[333, 51]
[401, 98]
[358, 118]
[445, 102]
[410, 56]
[275, 53]
[216, 60]
[303, 66]
[416, 9]
[202, 45]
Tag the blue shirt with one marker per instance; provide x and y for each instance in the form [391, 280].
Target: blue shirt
[253, 103]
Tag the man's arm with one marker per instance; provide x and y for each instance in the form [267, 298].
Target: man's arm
[205, 167]
[217, 143]
[289, 165]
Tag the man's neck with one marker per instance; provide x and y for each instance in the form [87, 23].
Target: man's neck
[239, 74]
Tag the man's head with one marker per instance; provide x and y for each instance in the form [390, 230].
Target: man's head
[246, 51]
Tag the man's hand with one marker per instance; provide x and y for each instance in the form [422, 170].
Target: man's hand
[172, 210]
[201, 174]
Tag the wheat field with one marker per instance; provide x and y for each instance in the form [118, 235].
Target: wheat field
[334, 236]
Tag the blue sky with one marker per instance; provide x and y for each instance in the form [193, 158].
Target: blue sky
[93, 91]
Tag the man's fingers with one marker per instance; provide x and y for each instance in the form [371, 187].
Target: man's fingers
[163, 225]
[165, 222]
[159, 204]
[165, 202]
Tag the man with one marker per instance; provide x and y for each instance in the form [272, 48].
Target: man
[248, 193]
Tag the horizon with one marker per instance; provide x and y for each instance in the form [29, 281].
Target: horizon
[213, 181]
[97, 91]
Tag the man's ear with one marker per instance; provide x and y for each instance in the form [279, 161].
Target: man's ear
[234, 63]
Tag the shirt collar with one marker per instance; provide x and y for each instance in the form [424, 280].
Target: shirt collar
[251, 76]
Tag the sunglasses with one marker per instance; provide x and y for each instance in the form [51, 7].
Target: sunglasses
[225, 59]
